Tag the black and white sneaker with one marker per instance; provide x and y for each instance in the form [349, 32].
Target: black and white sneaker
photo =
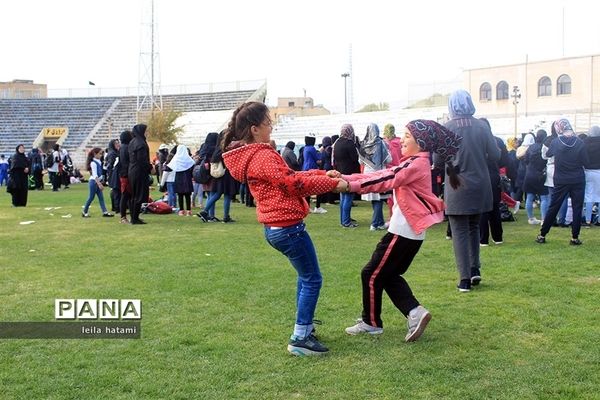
[464, 285]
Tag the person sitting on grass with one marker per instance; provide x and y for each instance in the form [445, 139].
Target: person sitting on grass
[414, 210]
[281, 206]
[94, 166]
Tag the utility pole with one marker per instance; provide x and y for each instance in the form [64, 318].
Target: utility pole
[516, 96]
[345, 75]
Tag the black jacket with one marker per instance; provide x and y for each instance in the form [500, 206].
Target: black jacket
[345, 157]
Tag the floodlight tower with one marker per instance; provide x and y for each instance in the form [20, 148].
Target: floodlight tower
[149, 97]
[350, 94]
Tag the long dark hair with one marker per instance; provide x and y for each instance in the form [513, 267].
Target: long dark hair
[90, 156]
[244, 117]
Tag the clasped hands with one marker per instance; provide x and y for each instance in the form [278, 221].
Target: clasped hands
[342, 185]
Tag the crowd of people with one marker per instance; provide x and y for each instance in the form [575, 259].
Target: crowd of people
[459, 172]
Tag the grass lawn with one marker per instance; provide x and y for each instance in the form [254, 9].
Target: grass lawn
[218, 308]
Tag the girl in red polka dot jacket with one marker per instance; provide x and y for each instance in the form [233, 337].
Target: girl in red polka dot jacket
[279, 193]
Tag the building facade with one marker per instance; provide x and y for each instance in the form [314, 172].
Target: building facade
[566, 85]
[23, 89]
[291, 107]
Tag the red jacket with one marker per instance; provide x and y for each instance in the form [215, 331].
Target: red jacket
[411, 182]
[278, 190]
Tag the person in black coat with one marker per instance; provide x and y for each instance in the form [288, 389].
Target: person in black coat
[112, 173]
[225, 185]
[345, 160]
[535, 178]
[491, 220]
[123, 171]
[138, 172]
[18, 175]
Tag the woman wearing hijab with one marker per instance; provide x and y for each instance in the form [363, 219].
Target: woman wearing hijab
[592, 173]
[182, 164]
[345, 160]
[374, 155]
[466, 203]
[139, 170]
[224, 186]
[289, 156]
[18, 174]
[570, 157]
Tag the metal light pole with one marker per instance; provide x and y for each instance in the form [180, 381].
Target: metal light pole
[345, 75]
[516, 96]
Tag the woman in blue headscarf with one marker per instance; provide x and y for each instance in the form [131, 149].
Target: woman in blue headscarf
[466, 203]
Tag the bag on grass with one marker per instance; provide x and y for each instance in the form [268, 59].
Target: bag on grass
[159, 207]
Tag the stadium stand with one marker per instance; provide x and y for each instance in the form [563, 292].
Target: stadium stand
[93, 121]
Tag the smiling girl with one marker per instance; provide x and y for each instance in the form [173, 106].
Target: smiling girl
[415, 209]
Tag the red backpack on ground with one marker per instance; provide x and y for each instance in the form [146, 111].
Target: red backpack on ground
[159, 207]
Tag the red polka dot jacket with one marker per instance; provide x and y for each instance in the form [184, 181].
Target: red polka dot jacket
[278, 191]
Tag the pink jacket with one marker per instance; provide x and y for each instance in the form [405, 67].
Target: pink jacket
[411, 182]
[395, 147]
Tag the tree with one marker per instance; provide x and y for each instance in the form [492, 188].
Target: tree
[161, 125]
[375, 107]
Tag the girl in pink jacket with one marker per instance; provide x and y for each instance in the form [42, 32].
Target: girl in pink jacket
[415, 209]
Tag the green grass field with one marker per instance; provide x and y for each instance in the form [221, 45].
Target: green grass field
[218, 308]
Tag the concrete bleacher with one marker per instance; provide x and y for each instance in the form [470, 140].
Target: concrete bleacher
[21, 120]
[123, 115]
[93, 121]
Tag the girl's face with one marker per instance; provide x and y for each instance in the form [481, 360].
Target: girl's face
[409, 144]
[21, 149]
[98, 155]
[262, 133]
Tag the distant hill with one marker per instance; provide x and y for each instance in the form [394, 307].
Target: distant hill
[435, 100]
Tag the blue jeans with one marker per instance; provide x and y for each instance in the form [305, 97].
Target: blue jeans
[171, 197]
[198, 193]
[377, 213]
[345, 207]
[295, 243]
[209, 207]
[544, 203]
[94, 191]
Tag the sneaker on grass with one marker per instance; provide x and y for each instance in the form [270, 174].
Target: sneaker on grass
[417, 321]
[308, 346]
[362, 327]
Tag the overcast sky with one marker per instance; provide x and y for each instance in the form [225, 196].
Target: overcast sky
[294, 45]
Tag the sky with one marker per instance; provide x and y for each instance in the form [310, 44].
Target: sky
[296, 46]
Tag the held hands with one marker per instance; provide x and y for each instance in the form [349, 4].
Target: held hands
[334, 174]
[342, 186]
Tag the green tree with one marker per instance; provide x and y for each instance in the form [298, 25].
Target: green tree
[375, 107]
[161, 125]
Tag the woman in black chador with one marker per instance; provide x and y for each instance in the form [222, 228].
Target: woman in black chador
[139, 170]
[19, 169]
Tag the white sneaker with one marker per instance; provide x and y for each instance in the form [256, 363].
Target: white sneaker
[319, 210]
[417, 321]
[516, 207]
[533, 221]
[362, 327]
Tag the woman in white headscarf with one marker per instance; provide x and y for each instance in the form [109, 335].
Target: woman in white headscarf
[374, 155]
[182, 164]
